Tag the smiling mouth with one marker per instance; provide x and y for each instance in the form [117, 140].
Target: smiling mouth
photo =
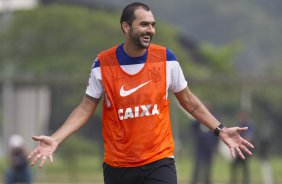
[146, 38]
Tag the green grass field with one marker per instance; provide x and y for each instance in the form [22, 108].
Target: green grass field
[87, 169]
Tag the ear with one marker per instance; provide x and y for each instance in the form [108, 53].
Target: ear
[125, 27]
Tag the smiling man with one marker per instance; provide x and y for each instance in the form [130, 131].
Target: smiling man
[134, 78]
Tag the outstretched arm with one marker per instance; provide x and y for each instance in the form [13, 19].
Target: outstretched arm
[48, 144]
[230, 136]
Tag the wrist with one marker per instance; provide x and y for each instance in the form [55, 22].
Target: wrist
[218, 129]
[223, 132]
[56, 140]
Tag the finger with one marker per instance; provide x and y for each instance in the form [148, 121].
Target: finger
[37, 138]
[35, 159]
[50, 158]
[42, 161]
[247, 143]
[232, 150]
[240, 153]
[32, 154]
[246, 150]
[240, 129]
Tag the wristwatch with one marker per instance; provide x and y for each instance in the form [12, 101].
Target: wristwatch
[218, 129]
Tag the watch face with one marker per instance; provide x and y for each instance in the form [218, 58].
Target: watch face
[218, 129]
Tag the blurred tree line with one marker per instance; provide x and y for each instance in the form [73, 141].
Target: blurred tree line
[57, 44]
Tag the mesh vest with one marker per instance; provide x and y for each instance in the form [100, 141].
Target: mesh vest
[136, 122]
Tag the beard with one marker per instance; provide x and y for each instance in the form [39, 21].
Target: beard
[141, 40]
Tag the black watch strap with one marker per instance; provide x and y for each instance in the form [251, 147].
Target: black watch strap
[218, 129]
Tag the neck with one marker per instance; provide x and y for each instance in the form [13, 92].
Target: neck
[133, 51]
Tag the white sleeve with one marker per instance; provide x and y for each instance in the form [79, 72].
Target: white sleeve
[95, 87]
[176, 79]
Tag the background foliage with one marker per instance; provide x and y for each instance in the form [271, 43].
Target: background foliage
[57, 44]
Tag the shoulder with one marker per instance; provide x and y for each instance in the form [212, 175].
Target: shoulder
[96, 63]
[108, 54]
[108, 51]
[102, 54]
[170, 55]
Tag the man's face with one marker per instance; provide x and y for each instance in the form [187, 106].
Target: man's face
[142, 29]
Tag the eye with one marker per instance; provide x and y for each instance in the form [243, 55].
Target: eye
[144, 24]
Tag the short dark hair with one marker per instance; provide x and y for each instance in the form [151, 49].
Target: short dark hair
[128, 15]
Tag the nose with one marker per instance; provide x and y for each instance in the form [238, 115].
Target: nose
[150, 29]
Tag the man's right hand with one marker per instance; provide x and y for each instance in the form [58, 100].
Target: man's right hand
[47, 146]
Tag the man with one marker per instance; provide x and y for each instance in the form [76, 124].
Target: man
[205, 145]
[239, 163]
[134, 78]
[19, 170]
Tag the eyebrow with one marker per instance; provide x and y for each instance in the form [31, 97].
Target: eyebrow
[148, 22]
